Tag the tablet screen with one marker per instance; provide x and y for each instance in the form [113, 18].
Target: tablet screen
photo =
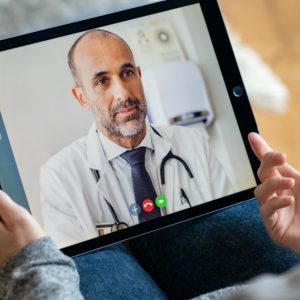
[109, 126]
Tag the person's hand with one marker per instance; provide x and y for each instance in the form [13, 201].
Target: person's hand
[17, 228]
[278, 194]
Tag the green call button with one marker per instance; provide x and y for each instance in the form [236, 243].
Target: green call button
[161, 201]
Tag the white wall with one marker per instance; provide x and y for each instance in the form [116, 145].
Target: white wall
[225, 134]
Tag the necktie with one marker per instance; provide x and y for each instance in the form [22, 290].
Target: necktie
[142, 184]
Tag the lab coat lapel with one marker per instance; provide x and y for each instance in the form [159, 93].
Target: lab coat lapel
[162, 146]
[108, 186]
[95, 154]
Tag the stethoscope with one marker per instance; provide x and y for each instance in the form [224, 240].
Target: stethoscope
[122, 225]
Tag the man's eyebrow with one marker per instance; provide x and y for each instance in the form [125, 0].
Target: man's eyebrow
[99, 74]
[127, 65]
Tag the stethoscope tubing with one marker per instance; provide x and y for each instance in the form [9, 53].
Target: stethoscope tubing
[169, 156]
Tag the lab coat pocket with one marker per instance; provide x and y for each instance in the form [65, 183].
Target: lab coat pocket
[196, 194]
[104, 228]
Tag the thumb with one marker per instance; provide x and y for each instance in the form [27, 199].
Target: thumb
[8, 208]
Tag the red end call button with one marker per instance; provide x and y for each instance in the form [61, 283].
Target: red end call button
[148, 205]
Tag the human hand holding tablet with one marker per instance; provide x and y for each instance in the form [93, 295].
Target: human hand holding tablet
[162, 112]
[17, 228]
[278, 194]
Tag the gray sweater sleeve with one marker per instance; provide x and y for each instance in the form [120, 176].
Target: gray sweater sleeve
[39, 271]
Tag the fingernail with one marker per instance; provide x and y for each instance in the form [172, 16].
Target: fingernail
[288, 181]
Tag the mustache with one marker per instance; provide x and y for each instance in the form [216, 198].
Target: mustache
[125, 104]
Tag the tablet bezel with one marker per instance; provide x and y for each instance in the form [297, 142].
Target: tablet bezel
[231, 77]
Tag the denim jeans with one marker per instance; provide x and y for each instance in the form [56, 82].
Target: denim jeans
[183, 261]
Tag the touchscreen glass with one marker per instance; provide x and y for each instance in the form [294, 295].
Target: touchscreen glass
[109, 128]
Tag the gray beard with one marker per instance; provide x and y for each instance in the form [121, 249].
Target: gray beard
[127, 128]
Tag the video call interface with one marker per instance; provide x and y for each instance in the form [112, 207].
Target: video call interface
[109, 128]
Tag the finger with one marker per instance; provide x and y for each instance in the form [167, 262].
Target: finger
[269, 165]
[269, 210]
[274, 184]
[8, 208]
[260, 148]
[287, 170]
[259, 145]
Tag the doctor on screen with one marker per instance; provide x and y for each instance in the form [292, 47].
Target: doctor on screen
[125, 171]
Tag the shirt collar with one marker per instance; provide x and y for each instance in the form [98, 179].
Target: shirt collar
[113, 150]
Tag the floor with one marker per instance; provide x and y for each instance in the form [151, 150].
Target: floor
[272, 28]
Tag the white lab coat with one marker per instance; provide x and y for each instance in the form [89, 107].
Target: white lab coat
[73, 202]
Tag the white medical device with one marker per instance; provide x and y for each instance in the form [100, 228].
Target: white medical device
[176, 94]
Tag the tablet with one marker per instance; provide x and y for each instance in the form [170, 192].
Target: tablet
[123, 124]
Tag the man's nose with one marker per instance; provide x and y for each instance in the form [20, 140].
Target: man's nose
[120, 91]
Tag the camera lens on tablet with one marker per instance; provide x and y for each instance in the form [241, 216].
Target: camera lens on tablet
[238, 91]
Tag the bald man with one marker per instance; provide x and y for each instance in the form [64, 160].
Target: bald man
[93, 186]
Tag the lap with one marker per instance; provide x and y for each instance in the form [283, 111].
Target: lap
[113, 273]
[208, 253]
[185, 260]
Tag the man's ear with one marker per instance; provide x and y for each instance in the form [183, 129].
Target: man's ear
[80, 97]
